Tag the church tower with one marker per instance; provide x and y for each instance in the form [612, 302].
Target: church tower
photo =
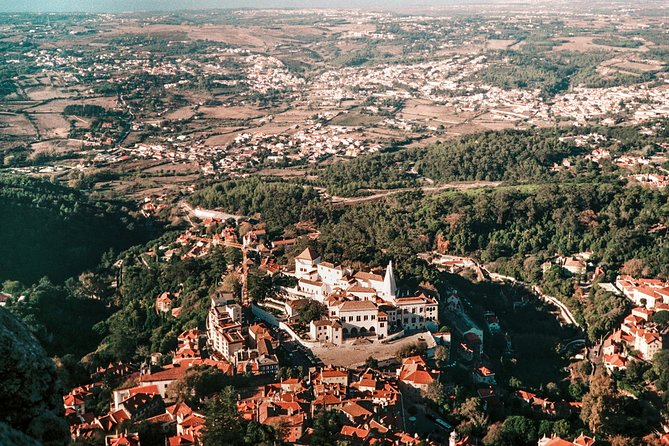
[389, 285]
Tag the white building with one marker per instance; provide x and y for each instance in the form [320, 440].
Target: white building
[224, 334]
[364, 303]
[326, 330]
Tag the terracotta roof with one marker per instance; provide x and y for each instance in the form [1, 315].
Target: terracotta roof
[71, 400]
[333, 374]
[308, 254]
[181, 440]
[419, 377]
[355, 410]
[361, 289]
[351, 431]
[165, 297]
[169, 374]
[163, 418]
[357, 305]
[582, 440]
[192, 420]
[557, 441]
[362, 275]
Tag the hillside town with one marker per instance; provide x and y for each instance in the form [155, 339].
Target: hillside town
[427, 225]
[260, 340]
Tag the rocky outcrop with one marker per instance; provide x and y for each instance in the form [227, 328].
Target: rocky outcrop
[29, 388]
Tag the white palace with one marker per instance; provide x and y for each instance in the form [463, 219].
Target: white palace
[358, 302]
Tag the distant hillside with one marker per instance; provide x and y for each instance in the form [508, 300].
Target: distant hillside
[509, 155]
[50, 230]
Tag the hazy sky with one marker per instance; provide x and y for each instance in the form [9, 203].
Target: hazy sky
[156, 5]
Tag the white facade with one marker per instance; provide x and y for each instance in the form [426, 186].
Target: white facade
[355, 299]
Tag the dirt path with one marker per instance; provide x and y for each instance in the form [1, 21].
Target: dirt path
[425, 189]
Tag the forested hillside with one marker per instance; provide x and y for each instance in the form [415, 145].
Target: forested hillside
[383, 171]
[279, 204]
[50, 230]
[495, 156]
[491, 156]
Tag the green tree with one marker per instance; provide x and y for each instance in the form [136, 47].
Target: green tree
[518, 430]
[223, 424]
[311, 311]
[326, 427]
[441, 355]
[371, 363]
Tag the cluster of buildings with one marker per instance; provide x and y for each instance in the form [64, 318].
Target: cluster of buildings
[303, 145]
[649, 293]
[359, 303]
[249, 349]
[267, 73]
[249, 150]
[547, 406]
[138, 394]
[638, 337]
[652, 179]
[367, 403]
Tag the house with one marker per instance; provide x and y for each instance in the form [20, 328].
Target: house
[415, 377]
[581, 440]
[4, 298]
[331, 375]
[76, 403]
[253, 363]
[163, 378]
[142, 405]
[120, 395]
[615, 362]
[483, 375]
[576, 266]
[647, 343]
[164, 302]
[326, 330]
[417, 312]
[124, 439]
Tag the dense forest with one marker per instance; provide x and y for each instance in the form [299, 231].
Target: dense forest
[495, 156]
[51, 230]
[383, 171]
[514, 156]
[491, 156]
[279, 204]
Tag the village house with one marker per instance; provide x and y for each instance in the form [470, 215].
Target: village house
[483, 375]
[581, 440]
[415, 377]
[326, 330]
[164, 302]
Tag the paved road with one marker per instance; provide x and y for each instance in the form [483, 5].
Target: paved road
[565, 313]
